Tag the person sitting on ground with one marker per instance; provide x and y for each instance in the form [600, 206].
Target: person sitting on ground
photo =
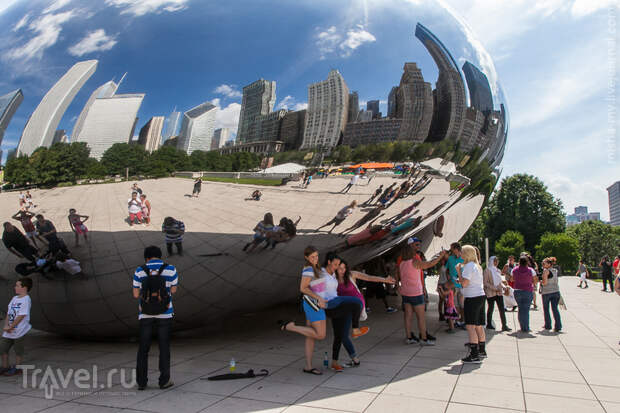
[16, 326]
[197, 187]
[76, 223]
[283, 232]
[17, 244]
[261, 230]
[134, 207]
[340, 217]
[146, 209]
[69, 265]
[173, 230]
[256, 195]
[378, 192]
[47, 230]
[25, 218]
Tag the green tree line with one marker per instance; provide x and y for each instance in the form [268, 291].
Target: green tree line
[68, 162]
[522, 215]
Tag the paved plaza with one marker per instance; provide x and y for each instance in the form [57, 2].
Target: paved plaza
[576, 371]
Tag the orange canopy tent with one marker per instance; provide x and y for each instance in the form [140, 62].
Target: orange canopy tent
[373, 165]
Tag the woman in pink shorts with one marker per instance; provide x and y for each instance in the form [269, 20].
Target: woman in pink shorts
[77, 225]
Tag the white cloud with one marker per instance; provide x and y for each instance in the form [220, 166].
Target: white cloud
[48, 28]
[330, 41]
[56, 5]
[355, 38]
[7, 4]
[22, 22]
[229, 91]
[95, 41]
[289, 103]
[142, 7]
[227, 117]
[581, 8]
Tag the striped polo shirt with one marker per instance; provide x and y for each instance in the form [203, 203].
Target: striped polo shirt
[170, 231]
[170, 275]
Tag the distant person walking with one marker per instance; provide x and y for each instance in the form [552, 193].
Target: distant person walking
[550, 291]
[340, 217]
[582, 272]
[352, 182]
[607, 274]
[197, 187]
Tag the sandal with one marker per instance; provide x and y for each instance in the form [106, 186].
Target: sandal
[314, 371]
[283, 324]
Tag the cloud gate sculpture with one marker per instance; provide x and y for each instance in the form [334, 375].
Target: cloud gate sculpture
[454, 112]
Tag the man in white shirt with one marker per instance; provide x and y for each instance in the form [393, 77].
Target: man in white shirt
[352, 182]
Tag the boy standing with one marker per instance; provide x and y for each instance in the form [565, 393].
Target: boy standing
[16, 325]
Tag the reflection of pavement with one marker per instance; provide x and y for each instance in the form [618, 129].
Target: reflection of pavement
[576, 371]
[220, 221]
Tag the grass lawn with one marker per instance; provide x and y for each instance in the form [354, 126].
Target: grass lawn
[246, 181]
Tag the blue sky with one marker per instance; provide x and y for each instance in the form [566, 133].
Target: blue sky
[553, 58]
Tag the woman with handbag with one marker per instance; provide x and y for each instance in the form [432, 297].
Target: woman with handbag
[347, 287]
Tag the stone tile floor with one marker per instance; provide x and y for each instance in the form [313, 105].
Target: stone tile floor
[576, 371]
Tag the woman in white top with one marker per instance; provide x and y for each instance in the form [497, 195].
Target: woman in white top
[471, 278]
[494, 289]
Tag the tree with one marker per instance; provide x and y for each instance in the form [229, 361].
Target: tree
[19, 171]
[523, 204]
[595, 239]
[510, 243]
[123, 155]
[342, 154]
[561, 246]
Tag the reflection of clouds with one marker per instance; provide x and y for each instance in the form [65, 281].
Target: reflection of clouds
[227, 117]
[142, 7]
[290, 103]
[331, 41]
[94, 41]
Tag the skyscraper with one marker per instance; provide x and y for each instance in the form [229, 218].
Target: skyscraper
[258, 99]
[106, 90]
[392, 102]
[220, 136]
[480, 95]
[414, 104]
[613, 193]
[197, 128]
[150, 134]
[110, 120]
[41, 126]
[172, 125]
[328, 107]
[354, 107]
[8, 106]
[450, 106]
[373, 106]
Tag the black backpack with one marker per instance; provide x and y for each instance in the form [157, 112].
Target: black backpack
[154, 296]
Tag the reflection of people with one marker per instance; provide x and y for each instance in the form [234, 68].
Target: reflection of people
[17, 243]
[256, 195]
[197, 187]
[340, 216]
[146, 209]
[47, 230]
[25, 218]
[378, 192]
[134, 207]
[173, 230]
[352, 182]
[77, 225]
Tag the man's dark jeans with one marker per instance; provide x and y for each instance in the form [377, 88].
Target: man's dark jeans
[179, 247]
[163, 327]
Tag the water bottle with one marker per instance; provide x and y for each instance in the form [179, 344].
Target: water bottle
[326, 361]
[232, 365]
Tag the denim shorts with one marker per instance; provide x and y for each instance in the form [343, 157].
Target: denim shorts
[417, 300]
[312, 315]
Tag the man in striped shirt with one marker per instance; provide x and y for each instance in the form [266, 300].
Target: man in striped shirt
[174, 231]
[160, 322]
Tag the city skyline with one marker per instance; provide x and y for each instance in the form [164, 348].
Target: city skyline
[329, 36]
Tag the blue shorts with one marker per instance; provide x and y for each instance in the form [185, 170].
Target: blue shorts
[312, 315]
[417, 300]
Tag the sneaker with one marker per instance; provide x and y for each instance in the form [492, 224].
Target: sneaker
[429, 337]
[427, 342]
[471, 360]
[482, 355]
[167, 385]
[337, 368]
[390, 310]
[362, 331]
[353, 363]
[411, 340]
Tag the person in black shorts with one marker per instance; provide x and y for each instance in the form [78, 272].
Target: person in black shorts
[197, 187]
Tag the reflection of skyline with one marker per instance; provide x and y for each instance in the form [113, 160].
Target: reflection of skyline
[8, 106]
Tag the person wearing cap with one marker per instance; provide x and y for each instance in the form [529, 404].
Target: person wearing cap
[409, 274]
[453, 260]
